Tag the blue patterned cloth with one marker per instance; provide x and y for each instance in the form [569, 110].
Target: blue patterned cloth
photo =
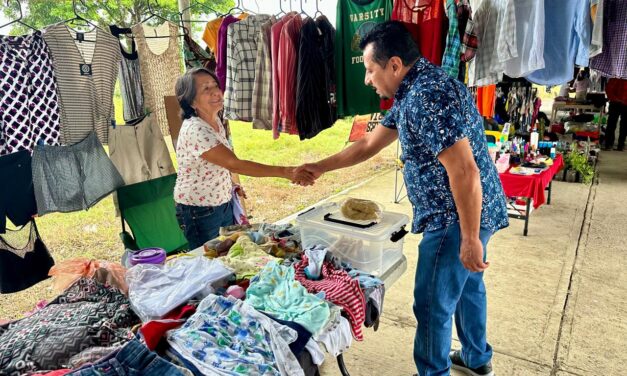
[431, 112]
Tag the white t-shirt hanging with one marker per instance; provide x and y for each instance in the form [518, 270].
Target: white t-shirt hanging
[199, 182]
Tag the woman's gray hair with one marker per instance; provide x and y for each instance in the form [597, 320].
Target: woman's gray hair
[186, 90]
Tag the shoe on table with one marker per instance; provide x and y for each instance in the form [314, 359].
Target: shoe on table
[458, 364]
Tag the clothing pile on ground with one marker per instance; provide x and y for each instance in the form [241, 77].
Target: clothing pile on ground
[261, 306]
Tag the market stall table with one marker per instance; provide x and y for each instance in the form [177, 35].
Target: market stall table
[388, 278]
[532, 187]
[584, 107]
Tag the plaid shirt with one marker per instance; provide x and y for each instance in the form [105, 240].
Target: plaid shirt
[241, 54]
[450, 61]
[262, 88]
[495, 26]
[612, 62]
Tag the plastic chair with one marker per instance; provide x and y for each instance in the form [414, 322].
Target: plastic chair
[149, 210]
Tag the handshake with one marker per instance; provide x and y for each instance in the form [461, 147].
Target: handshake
[303, 175]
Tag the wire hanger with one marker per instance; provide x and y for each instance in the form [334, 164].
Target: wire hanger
[152, 14]
[19, 19]
[302, 10]
[237, 7]
[78, 17]
[318, 12]
[281, 12]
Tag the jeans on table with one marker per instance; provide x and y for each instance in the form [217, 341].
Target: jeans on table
[202, 223]
[133, 359]
[443, 288]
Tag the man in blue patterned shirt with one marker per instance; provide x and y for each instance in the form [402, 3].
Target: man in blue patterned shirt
[453, 186]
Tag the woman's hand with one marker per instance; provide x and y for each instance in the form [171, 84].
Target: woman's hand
[300, 177]
[240, 191]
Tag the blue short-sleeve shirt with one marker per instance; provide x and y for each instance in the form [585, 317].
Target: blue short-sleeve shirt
[431, 112]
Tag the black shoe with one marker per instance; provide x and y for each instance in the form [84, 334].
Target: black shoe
[458, 364]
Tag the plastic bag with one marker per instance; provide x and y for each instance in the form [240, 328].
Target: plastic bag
[155, 290]
[359, 210]
[65, 273]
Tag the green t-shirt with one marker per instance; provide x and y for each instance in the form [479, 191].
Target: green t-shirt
[355, 18]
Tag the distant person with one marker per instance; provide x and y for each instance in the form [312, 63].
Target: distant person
[204, 185]
[582, 84]
[616, 91]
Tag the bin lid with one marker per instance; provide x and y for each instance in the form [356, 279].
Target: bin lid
[390, 222]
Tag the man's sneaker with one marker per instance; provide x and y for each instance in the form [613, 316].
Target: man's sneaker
[458, 364]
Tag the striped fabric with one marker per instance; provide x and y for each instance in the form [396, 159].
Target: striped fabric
[262, 88]
[241, 55]
[160, 65]
[340, 289]
[86, 73]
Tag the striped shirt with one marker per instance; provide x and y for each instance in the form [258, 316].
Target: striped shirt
[340, 289]
[86, 73]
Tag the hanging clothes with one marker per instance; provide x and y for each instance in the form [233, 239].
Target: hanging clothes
[221, 60]
[72, 178]
[355, 18]
[566, 41]
[596, 41]
[138, 151]
[210, 35]
[451, 59]
[17, 198]
[24, 259]
[288, 63]
[262, 87]
[612, 62]
[195, 56]
[241, 55]
[427, 23]
[530, 47]
[314, 109]
[275, 32]
[486, 98]
[494, 25]
[86, 66]
[130, 78]
[160, 65]
[28, 94]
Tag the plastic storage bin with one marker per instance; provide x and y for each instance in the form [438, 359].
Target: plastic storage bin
[371, 247]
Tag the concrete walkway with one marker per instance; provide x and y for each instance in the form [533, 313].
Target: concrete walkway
[557, 299]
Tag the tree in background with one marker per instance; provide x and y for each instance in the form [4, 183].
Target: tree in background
[124, 13]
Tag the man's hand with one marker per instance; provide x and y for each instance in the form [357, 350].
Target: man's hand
[311, 168]
[471, 255]
[299, 176]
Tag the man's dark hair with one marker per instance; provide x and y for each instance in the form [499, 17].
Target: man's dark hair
[390, 39]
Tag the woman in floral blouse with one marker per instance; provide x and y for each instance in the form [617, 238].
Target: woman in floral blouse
[206, 161]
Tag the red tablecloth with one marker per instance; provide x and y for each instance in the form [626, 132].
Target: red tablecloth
[531, 186]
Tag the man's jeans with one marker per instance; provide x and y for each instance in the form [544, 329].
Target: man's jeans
[202, 223]
[443, 287]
